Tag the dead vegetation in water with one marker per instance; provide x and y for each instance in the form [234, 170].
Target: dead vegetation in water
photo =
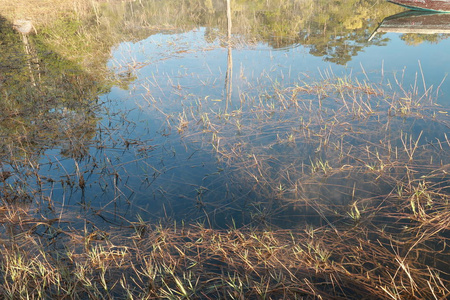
[339, 140]
[362, 171]
[344, 155]
[195, 262]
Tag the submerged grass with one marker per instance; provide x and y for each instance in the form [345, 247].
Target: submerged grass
[360, 171]
[197, 262]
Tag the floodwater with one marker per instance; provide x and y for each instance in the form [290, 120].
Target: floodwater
[170, 119]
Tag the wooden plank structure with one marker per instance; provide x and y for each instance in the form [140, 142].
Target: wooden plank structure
[415, 22]
[424, 5]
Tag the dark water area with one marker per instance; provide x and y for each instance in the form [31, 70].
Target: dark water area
[175, 122]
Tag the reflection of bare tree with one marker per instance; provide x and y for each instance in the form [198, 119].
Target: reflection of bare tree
[229, 19]
[229, 75]
[25, 27]
[46, 101]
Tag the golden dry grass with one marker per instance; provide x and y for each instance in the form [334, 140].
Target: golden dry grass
[41, 11]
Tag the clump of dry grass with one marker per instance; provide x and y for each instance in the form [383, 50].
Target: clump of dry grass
[197, 262]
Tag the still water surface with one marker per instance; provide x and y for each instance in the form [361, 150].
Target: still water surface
[199, 128]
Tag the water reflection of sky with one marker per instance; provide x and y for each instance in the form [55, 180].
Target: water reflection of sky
[176, 72]
[397, 56]
[143, 166]
[190, 61]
